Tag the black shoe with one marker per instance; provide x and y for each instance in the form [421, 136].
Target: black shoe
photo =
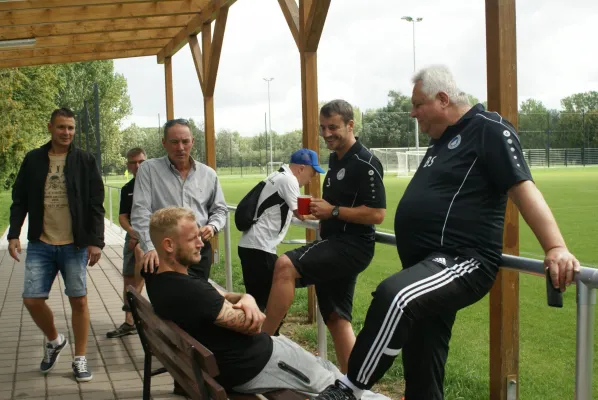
[51, 355]
[123, 330]
[81, 370]
[338, 391]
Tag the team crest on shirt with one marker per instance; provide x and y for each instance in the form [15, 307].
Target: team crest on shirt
[340, 174]
[455, 142]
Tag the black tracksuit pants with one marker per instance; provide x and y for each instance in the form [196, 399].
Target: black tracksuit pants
[414, 311]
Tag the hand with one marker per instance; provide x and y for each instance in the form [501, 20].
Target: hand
[206, 232]
[254, 317]
[133, 241]
[93, 255]
[14, 247]
[562, 265]
[150, 261]
[320, 208]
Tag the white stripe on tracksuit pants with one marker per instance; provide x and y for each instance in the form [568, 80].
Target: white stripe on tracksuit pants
[417, 292]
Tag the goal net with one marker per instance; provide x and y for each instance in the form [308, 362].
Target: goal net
[408, 162]
[402, 161]
[273, 166]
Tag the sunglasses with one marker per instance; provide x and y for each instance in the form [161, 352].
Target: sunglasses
[178, 121]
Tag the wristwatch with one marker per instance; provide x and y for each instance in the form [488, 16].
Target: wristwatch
[335, 211]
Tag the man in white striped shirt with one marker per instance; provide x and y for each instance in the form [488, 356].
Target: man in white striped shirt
[449, 230]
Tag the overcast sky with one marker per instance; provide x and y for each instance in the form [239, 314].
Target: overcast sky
[366, 50]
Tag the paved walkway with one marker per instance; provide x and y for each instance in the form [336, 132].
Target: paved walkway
[117, 364]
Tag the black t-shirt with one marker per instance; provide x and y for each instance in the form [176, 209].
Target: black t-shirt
[456, 200]
[354, 180]
[126, 198]
[194, 304]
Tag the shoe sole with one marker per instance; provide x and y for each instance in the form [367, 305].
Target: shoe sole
[45, 372]
[124, 334]
[84, 379]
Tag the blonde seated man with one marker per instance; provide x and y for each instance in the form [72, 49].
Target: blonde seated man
[229, 324]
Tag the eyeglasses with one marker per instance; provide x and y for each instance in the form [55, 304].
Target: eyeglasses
[178, 121]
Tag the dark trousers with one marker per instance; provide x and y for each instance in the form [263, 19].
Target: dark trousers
[203, 268]
[414, 311]
[258, 269]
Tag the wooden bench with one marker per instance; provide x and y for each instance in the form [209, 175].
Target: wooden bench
[191, 364]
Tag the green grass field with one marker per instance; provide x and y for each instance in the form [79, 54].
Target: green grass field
[547, 335]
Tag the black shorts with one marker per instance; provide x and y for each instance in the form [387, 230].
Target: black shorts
[332, 265]
[258, 269]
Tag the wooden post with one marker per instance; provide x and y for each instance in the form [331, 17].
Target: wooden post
[306, 22]
[169, 91]
[206, 59]
[501, 51]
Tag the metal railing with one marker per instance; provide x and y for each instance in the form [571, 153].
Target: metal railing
[110, 188]
[586, 283]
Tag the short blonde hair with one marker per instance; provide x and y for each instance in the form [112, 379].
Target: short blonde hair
[165, 222]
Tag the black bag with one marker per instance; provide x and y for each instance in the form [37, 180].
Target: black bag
[247, 207]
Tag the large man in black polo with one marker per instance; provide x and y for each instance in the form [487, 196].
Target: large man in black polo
[353, 201]
[449, 227]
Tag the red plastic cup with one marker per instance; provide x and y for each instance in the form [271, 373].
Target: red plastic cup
[303, 202]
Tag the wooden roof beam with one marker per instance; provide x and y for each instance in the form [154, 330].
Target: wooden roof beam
[106, 25]
[95, 12]
[104, 37]
[82, 49]
[197, 60]
[78, 58]
[315, 24]
[290, 10]
[216, 50]
[206, 16]
[33, 4]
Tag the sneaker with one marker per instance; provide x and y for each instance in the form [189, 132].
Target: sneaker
[51, 355]
[123, 330]
[81, 370]
[338, 391]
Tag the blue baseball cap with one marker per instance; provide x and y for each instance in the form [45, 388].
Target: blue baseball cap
[307, 157]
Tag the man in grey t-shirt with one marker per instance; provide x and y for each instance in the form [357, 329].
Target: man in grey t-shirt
[178, 180]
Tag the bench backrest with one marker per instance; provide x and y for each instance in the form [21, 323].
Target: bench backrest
[190, 363]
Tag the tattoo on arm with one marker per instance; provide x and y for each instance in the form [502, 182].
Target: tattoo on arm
[231, 318]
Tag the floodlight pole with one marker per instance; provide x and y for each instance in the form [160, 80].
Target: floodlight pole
[413, 21]
[269, 120]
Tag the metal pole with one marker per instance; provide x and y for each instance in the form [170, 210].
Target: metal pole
[228, 261]
[586, 299]
[322, 339]
[119, 193]
[86, 125]
[110, 202]
[266, 153]
[270, 121]
[96, 100]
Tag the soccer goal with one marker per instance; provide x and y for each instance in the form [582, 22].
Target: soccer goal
[408, 161]
[273, 166]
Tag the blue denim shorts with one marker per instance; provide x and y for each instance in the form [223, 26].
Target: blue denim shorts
[42, 264]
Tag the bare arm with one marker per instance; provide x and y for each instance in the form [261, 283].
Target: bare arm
[123, 219]
[538, 216]
[238, 319]
[364, 215]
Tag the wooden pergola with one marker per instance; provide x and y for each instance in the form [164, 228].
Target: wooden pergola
[37, 32]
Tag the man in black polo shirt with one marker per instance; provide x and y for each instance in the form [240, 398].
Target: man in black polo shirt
[132, 253]
[228, 324]
[353, 201]
[449, 230]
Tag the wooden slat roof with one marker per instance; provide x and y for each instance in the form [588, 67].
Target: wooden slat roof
[87, 30]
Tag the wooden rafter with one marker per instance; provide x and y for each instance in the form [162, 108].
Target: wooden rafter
[215, 51]
[32, 4]
[81, 49]
[96, 12]
[77, 58]
[169, 88]
[206, 16]
[197, 59]
[103, 37]
[105, 25]
[290, 10]
[315, 24]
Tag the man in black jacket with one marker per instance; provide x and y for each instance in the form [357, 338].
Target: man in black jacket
[61, 189]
